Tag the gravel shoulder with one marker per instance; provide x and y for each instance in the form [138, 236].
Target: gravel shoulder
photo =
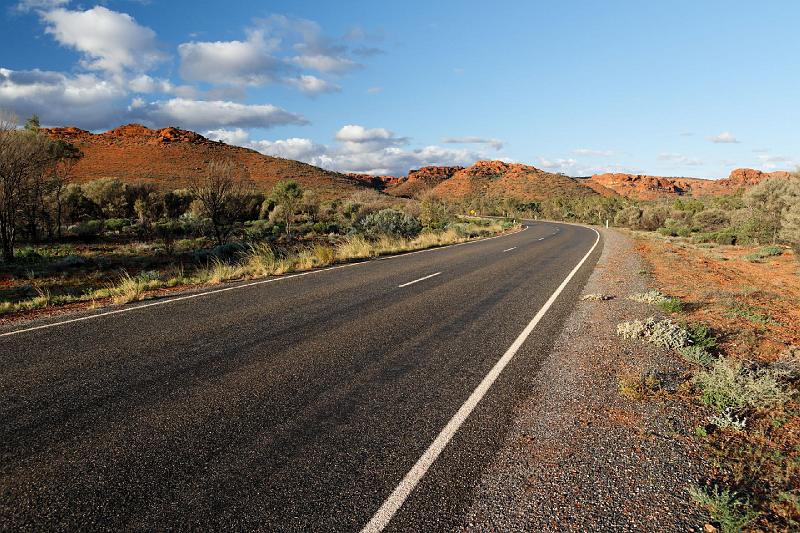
[580, 456]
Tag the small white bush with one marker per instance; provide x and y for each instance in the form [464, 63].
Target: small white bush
[659, 332]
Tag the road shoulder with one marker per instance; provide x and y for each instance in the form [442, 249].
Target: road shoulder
[581, 456]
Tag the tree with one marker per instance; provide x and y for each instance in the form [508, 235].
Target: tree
[287, 195]
[769, 199]
[64, 157]
[23, 156]
[221, 193]
[32, 124]
[790, 228]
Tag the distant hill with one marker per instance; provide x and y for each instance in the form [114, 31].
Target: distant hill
[644, 187]
[170, 157]
[493, 179]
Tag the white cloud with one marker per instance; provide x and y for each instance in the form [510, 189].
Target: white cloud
[497, 144]
[237, 136]
[31, 5]
[325, 63]
[147, 84]
[277, 49]
[357, 149]
[110, 41]
[375, 90]
[249, 62]
[725, 137]
[589, 152]
[359, 134]
[208, 115]
[562, 165]
[680, 159]
[83, 100]
[312, 85]
[294, 148]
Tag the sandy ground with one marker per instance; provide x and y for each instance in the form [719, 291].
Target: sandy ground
[580, 456]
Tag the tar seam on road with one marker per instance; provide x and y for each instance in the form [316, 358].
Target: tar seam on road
[244, 285]
[420, 279]
[509, 249]
[387, 510]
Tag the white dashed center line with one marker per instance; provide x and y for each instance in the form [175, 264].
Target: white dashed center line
[509, 249]
[420, 279]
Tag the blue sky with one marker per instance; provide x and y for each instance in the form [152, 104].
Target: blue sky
[689, 88]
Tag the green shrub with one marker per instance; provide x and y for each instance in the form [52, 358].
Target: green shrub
[702, 337]
[696, 355]
[389, 222]
[768, 251]
[731, 512]
[117, 224]
[88, 229]
[729, 385]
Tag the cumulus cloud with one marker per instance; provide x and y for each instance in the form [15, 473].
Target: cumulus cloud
[249, 62]
[83, 100]
[725, 137]
[278, 49]
[236, 136]
[356, 149]
[312, 85]
[497, 144]
[680, 159]
[147, 84]
[109, 41]
[589, 152]
[211, 114]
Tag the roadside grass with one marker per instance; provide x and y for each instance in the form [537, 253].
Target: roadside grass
[255, 261]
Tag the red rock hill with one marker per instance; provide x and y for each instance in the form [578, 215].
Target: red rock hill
[170, 157]
[654, 187]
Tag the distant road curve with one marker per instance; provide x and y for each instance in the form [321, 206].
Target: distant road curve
[367, 396]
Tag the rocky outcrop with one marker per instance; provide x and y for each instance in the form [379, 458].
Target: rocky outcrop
[422, 180]
[644, 187]
[378, 182]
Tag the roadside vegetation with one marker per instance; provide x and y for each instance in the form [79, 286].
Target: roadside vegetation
[739, 338]
[110, 241]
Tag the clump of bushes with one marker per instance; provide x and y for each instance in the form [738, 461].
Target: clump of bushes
[730, 385]
[390, 223]
[669, 304]
[659, 332]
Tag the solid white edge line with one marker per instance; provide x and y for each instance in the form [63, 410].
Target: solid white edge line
[245, 285]
[387, 510]
[418, 280]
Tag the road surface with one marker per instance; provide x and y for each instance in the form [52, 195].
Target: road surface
[301, 404]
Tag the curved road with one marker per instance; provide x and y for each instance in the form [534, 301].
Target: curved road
[294, 405]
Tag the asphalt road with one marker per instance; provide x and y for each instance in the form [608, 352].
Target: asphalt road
[294, 405]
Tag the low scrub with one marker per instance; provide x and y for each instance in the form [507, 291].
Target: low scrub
[659, 332]
[726, 508]
[729, 385]
[669, 304]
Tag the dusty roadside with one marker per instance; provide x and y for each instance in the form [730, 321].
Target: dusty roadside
[581, 456]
